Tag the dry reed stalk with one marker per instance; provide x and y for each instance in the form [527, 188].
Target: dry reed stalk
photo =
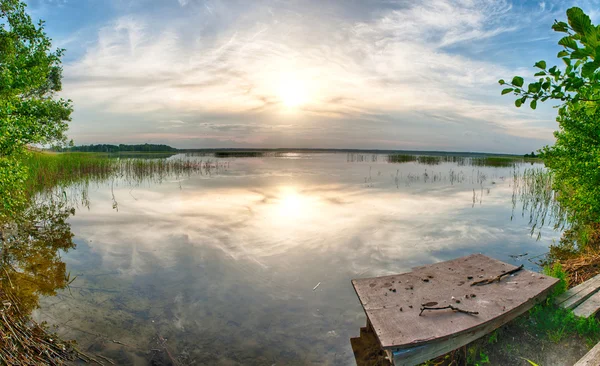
[24, 342]
[581, 268]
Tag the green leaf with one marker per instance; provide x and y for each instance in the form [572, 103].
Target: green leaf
[579, 21]
[589, 68]
[501, 82]
[517, 81]
[533, 104]
[568, 42]
[560, 27]
[518, 103]
[540, 64]
[540, 73]
[581, 53]
[562, 53]
[507, 90]
[533, 88]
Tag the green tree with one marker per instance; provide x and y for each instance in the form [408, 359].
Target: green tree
[30, 111]
[574, 159]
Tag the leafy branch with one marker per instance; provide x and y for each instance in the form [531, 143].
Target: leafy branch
[578, 81]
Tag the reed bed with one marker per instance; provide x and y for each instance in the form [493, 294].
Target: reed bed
[427, 159]
[495, 161]
[49, 171]
[533, 188]
[401, 158]
[239, 154]
[361, 158]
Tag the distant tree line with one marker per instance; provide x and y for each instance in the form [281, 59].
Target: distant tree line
[532, 155]
[106, 148]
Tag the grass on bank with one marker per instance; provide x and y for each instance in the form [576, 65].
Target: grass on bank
[49, 170]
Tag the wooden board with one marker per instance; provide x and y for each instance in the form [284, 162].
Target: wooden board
[395, 315]
[592, 358]
[578, 294]
[589, 307]
[367, 351]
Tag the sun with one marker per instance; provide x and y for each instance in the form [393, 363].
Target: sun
[293, 93]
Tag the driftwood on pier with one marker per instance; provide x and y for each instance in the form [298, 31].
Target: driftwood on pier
[463, 312]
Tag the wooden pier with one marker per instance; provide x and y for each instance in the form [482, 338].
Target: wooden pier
[435, 309]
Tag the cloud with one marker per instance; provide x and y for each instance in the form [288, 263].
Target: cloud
[393, 62]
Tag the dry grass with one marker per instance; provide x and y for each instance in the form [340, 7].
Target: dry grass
[582, 267]
[24, 342]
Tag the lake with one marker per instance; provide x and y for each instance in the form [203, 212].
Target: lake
[250, 262]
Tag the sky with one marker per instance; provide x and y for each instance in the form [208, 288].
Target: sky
[371, 74]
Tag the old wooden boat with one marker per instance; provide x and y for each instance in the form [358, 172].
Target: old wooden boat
[435, 309]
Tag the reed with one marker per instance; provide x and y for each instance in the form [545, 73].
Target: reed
[429, 160]
[534, 189]
[50, 171]
[401, 158]
[239, 154]
[495, 161]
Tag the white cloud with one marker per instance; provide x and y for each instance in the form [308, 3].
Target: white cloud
[398, 62]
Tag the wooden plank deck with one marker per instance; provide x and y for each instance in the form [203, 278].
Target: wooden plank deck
[578, 294]
[592, 358]
[589, 307]
[392, 305]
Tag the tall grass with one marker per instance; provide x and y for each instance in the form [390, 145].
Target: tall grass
[60, 169]
[48, 171]
[495, 161]
[239, 154]
[427, 159]
[401, 158]
[534, 189]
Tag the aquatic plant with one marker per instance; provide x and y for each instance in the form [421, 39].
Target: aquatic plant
[238, 154]
[401, 158]
[495, 161]
[429, 160]
[533, 188]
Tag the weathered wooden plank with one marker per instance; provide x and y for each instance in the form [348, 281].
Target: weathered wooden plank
[392, 303]
[420, 354]
[592, 358]
[589, 307]
[578, 294]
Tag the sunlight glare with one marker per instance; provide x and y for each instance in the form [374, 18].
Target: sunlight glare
[293, 93]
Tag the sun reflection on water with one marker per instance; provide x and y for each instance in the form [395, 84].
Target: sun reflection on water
[293, 205]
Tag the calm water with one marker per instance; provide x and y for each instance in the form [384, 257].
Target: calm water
[222, 268]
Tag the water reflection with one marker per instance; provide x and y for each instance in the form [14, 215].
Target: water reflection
[222, 269]
[31, 252]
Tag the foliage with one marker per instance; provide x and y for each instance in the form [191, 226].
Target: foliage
[30, 112]
[556, 322]
[578, 81]
[476, 356]
[104, 148]
[574, 160]
[557, 271]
